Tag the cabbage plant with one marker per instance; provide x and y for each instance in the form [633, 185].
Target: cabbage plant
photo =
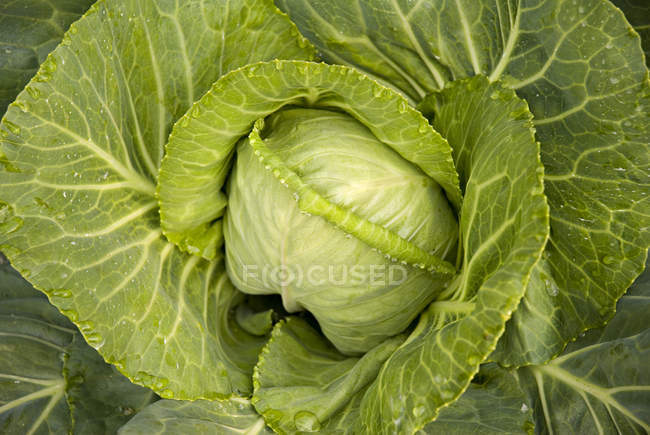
[364, 216]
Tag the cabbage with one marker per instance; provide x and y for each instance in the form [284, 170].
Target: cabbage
[325, 216]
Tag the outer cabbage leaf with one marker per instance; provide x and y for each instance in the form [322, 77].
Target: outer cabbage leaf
[232, 416]
[80, 149]
[303, 384]
[601, 382]
[503, 229]
[99, 397]
[33, 337]
[51, 381]
[637, 13]
[494, 403]
[580, 67]
[29, 30]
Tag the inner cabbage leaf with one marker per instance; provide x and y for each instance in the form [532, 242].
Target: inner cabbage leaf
[359, 295]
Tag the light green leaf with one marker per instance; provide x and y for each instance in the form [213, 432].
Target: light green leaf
[580, 67]
[231, 416]
[504, 226]
[303, 384]
[51, 381]
[29, 30]
[493, 404]
[362, 188]
[81, 148]
[202, 143]
[637, 13]
[601, 382]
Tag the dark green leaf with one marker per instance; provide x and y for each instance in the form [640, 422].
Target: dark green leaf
[29, 30]
[493, 404]
[51, 381]
[601, 382]
[637, 13]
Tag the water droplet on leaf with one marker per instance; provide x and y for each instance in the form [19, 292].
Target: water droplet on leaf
[418, 411]
[306, 421]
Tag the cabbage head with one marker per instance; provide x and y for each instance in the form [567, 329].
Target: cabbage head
[369, 216]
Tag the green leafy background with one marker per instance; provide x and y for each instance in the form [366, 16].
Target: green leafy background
[51, 381]
[601, 382]
[584, 188]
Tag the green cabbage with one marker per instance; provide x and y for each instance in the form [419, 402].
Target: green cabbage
[335, 216]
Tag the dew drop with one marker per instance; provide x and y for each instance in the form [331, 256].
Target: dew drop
[551, 288]
[95, 340]
[418, 411]
[161, 383]
[23, 105]
[446, 394]
[72, 315]
[608, 259]
[196, 111]
[306, 421]
[33, 92]
[13, 128]
[10, 225]
[62, 293]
